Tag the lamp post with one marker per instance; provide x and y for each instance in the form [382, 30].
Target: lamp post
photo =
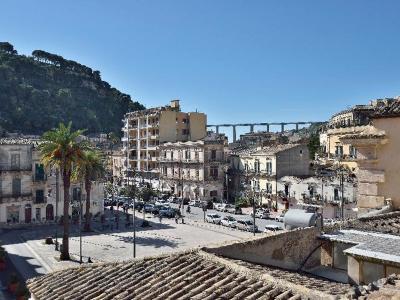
[133, 221]
[57, 196]
[80, 222]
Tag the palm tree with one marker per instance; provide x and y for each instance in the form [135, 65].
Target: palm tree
[61, 149]
[89, 168]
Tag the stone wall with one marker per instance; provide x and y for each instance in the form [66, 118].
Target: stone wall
[286, 250]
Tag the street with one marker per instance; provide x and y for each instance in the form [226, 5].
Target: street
[112, 242]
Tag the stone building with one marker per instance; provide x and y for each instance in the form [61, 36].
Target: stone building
[378, 148]
[151, 127]
[259, 169]
[195, 170]
[349, 121]
[322, 192]
[27, 190]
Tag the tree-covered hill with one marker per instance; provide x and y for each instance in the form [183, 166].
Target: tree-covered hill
[39, 91]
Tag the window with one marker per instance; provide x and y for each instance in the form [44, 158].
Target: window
[16, 187]
[213, 154]
[187, 154]
[353, 152]
[184, 121]
[39, 196]
[165, 170]
[213, 193]
[76, 194]
[39, 172]
[15, 161]
[269, 167]
[214, 172]
[269, 187]
[257, 166]
[336, 194]
[246, 166]
[339, 151]
[172, 155]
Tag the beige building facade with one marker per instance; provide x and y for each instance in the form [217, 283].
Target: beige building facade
[28, 191]
[152, 127]
[194, 170]
[261, 168]
[378, 147]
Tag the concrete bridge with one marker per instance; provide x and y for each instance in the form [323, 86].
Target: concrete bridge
[267, 126]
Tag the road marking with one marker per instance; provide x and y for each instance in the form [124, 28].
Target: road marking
[38, 258]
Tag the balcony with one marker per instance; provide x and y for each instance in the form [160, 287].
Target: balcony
[9, 168]
[39, 200]
[15, 197]
[39, 177]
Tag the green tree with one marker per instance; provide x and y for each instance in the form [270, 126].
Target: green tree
[61, 149]
[313, 145]
[90, 167]
[7, 47]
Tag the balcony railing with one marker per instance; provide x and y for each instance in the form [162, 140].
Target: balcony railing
[39, 200]
[15, 195]
[6, 168]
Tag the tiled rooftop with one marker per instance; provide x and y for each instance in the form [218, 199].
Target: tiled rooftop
[385, 247]
[18, 141]
[385, 223]
[180, 276]
[302, 279]
[388, 108]
[270, 150]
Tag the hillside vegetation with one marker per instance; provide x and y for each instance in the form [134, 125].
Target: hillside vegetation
[39, 91]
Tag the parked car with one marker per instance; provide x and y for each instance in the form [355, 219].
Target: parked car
[272, 228]
[233, 210]
[279, 218]
[148, 208]
[139, 205]
[219, 206]
[262, 213]
[161, 202]
[167, 212]
[195, 203]
[246, 225]
[213, 218]
[228, 221]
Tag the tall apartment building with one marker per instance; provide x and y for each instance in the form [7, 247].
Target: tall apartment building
[151, 127]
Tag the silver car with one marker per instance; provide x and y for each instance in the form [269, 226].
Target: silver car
[246, 225]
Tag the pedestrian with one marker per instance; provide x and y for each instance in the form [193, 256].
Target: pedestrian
[176, 218]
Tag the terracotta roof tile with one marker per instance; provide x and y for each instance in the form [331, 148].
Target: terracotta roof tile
[181, 276]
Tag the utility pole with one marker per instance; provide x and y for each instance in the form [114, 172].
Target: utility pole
[342, 191]
[128, 178]
[227, 186]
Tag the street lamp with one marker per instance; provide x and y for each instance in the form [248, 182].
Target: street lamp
[80, 222]
[57, 198]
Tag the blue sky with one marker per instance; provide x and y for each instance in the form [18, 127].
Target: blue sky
[238, 61]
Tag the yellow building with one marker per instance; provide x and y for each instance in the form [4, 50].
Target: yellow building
[151, 127]
[378, 148]
[350, 121]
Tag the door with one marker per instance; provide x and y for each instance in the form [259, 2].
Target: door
[28, 213]
[49, 212]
